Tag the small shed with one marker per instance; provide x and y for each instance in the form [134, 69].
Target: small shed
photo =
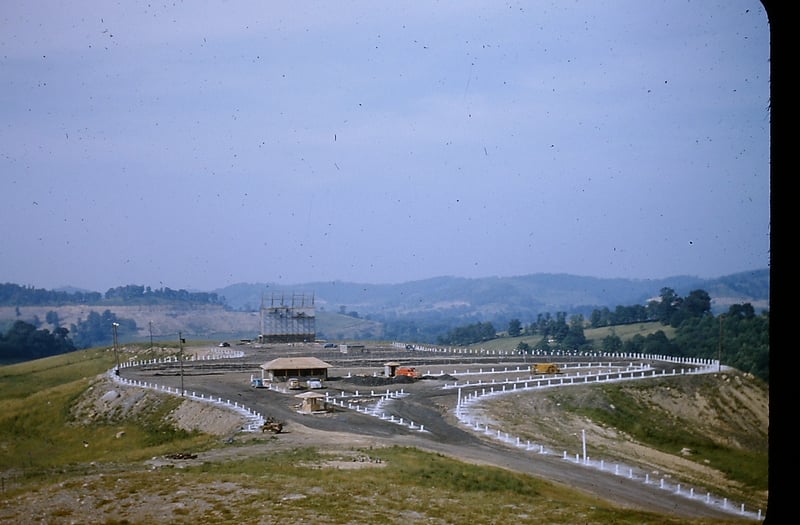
[283, 368]
[313, 402]
[390, 368]
[348, 349]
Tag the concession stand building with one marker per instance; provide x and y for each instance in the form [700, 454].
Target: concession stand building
[282, 368]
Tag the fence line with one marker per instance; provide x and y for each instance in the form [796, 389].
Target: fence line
[696, 361]
[375, 410]
[254, 420]
[622, 374]
[475, 423]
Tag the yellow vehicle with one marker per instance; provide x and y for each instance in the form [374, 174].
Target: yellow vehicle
[545, 368]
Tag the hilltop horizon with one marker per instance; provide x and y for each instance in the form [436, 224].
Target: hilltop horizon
[278, 285]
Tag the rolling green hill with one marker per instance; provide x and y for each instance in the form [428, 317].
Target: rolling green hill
[489, 298]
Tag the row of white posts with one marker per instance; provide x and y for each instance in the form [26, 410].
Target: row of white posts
[695, 361]
[254, 420]
[376, 410]
[345, 400]
[627, 373]
[465, 402]
[215, 354]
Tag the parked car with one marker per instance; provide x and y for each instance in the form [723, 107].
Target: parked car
[314, 384]
[224, 344]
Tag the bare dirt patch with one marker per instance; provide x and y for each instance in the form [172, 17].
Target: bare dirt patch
[107, 401]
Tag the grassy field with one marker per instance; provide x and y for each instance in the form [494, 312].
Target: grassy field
[594, 336]
[39, 435]
[57, 470]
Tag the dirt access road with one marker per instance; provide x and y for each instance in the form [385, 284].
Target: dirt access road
[425, 402]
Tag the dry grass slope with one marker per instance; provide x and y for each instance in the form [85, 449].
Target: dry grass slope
[691, 428]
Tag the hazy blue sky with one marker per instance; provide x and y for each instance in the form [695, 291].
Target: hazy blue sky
[200, 144]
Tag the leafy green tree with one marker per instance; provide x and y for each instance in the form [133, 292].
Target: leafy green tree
[52, 318]
[739, 338]
[466, 335]
[697, 303]
[559, 328]
[668, 304]
[543, 322]
[514, 327]
[97, 329]
[741, 311]
[634, 345]
[600, 317]
[23, 341]
[611, 343]
[628, 314]
[575, 337]
[658, 344]
[543, 344]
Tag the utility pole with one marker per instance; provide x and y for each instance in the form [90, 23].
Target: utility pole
[180, 345]
[719, 349]
[583, 439]
[116, 351]
[150, 324]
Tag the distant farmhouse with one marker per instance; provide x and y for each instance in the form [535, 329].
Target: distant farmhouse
[285, 321]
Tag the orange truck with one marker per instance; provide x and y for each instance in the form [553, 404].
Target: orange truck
[408, 371]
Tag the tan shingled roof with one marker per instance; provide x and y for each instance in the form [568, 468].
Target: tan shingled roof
[295, 363]
[310, 395]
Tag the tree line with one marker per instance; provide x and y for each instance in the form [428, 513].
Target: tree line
[23, 341]
[738, 337]
[669, 309]
[16, 295]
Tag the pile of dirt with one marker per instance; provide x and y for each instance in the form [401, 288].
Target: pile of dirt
[106, 401]
[379, 380]
[368, 380]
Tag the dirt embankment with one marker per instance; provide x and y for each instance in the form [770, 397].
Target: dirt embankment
[729, 409]
[109, 402]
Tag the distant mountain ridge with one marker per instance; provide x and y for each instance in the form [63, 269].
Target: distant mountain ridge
[410, 310]
[500, 297]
